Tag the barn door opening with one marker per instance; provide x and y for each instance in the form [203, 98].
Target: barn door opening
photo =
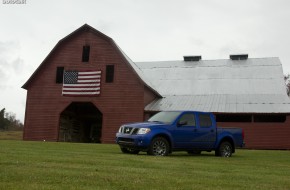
[80, 122]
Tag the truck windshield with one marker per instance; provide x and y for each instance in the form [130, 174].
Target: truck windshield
[164, 117]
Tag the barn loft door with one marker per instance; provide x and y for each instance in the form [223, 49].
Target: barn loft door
[80, 122]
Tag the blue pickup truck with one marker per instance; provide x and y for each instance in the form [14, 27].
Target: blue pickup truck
[170, 131]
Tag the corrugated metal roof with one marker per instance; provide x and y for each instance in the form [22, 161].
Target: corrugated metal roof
[252, 85]
[223, 103]
[139, 71]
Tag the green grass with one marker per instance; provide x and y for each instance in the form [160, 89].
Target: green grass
[11, 135]
[47, 165]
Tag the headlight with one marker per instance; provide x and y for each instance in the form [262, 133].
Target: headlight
[143, 131]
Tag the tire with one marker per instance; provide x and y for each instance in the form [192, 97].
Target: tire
[225, 149]
[159, 147]
[129, 151]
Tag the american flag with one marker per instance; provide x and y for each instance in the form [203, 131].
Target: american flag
[81, 83]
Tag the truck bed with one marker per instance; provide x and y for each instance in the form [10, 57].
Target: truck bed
[236, 133]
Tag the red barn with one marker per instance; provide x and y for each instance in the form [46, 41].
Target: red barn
[87, 87]
[54, 116]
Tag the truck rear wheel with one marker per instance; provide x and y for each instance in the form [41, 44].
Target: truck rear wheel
[159, 147]
[225, 149]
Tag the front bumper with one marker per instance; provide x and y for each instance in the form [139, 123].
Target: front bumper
[139, 142]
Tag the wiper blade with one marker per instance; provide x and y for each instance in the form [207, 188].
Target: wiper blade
[156, 121]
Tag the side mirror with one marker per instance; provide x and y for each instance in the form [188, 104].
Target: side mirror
[180, 123]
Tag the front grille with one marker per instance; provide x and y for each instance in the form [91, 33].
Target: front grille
[129, 130]
[135, 131]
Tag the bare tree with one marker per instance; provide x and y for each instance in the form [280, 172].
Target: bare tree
[8, 121]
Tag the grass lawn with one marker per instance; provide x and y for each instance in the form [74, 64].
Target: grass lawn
[47, 165]
[11, 135]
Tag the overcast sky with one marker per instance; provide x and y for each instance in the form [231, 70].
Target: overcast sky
[146, 30]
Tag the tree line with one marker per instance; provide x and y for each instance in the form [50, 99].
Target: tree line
[9, 122]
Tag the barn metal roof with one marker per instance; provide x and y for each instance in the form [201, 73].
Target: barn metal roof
[223, 103]
[254, 85]
[139, 72]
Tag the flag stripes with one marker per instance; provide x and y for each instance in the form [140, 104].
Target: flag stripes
[84, 83]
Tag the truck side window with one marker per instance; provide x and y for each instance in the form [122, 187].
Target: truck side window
[189, 118]
[205, 120]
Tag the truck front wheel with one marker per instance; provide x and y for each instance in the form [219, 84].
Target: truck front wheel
[159, 147]
[225, 149]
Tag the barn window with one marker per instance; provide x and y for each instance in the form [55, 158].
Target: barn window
[234, 118]
[86, 53]
[270, 118]
[59, 75]
[110, 73]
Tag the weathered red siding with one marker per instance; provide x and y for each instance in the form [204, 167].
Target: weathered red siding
[120, 101]
[264, 135]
